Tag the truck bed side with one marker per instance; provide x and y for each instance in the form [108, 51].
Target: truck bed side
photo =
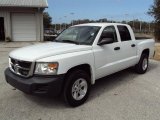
[145, 44]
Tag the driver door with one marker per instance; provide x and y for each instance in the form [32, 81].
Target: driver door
[107, 56]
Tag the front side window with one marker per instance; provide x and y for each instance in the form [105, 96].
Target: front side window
[109, 32]
[124, 33]
[79, 34]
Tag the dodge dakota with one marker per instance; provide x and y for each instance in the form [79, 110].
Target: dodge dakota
[78, 57]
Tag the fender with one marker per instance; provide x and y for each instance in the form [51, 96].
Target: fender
[71, 60]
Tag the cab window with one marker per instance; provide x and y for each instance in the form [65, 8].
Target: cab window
[124, 33]
[109, 32]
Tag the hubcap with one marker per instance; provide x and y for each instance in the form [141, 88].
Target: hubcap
[79, 89]
[145, 64]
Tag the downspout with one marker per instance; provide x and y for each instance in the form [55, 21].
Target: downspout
[40, 12]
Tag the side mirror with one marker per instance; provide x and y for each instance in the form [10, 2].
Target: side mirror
[105, 41]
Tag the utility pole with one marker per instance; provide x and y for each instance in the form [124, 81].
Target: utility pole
[112, 19]
[60, 24]
[126, 16]
[72, 15]
[55, 27]
[140, 27]
[149, 27]
[65, 20]
[133, 24]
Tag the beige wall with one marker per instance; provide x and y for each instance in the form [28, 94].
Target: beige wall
[7, 14]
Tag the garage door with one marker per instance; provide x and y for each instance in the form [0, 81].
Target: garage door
[23, 27]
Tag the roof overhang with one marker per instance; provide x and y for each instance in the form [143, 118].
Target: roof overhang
[24, 3]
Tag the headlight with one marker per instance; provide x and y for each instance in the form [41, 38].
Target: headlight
[46, 68]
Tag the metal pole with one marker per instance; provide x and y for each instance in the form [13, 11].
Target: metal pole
[126, 17]
[55, 27]
[112, 19]
[64, 22]
[140, 26]
[65, 25]
[149, 27]
[60, 24]
[60, 27]
[133, 23]
[72, 15]
[78, 21]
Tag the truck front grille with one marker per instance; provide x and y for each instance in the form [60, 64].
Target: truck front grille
[22, 68]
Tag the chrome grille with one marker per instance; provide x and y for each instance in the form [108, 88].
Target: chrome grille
[22, 68]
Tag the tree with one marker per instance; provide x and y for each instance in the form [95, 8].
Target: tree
[47, 20]
[155, 12]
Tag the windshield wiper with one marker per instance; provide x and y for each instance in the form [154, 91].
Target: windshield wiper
[70, 41]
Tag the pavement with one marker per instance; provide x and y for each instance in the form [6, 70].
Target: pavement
[121, 96]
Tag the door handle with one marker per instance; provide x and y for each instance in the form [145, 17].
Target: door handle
[117, 48]
[133, 45]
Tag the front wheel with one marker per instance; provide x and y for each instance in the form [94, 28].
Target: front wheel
[142, 65]
[77, 88]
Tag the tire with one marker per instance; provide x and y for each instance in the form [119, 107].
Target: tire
[142, 65]
[74, 87]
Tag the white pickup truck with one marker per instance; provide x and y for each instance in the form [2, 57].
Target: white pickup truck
[78, 57]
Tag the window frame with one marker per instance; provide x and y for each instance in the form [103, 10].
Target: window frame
[115, 34]
[127, 31]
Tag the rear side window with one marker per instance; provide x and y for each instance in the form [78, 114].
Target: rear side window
[124, 33]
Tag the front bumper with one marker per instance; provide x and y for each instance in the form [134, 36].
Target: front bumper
[51, 85]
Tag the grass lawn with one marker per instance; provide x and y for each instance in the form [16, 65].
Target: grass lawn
[157, 55]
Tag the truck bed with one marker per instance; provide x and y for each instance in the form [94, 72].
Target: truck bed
[146, 44]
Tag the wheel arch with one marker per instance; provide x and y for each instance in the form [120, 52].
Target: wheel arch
[85, 67]
[143, 51]
[146, 51]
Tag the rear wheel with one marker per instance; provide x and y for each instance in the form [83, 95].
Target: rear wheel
[77, 88]
[142, 65]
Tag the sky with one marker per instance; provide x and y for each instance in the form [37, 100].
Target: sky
[64, 11]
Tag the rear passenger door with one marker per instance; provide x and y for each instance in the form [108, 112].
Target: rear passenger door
[128, 47]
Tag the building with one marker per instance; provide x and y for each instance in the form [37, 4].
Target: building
[22, 20]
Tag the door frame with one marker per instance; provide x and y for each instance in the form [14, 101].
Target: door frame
[3, 27]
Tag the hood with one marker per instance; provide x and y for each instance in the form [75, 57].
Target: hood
[43, 50]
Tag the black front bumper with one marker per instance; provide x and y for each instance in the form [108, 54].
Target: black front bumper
[51, 85]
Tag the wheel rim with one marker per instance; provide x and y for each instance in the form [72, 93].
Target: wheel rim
[145, 64]
[79, 89]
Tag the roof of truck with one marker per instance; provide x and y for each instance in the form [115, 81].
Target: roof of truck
[100, 24]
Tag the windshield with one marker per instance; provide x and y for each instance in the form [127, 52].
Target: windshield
[79, 35]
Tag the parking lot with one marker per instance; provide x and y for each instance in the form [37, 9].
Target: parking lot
[121, 96]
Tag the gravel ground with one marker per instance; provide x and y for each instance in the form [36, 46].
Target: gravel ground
[122, 96]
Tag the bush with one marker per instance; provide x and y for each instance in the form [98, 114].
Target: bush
[155, 12]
